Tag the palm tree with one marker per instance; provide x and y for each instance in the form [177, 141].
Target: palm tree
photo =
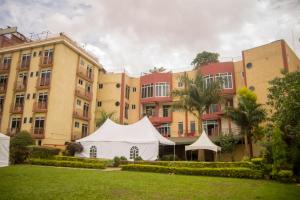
[104, 116]
[197, 96]
[157, 69]
[248, 115]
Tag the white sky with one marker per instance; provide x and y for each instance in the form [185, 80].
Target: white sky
[137, 35]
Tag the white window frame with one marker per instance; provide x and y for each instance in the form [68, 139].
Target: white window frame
[162, 89]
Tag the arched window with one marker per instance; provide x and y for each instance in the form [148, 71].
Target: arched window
[134, 152]
[93, 152]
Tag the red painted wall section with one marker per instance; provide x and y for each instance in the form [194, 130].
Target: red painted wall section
[222, 67]
[156, 78]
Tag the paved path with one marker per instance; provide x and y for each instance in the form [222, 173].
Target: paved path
[109, 169]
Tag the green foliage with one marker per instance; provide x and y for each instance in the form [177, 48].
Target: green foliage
[42, 151]
[169, 157]
[248, 115]
[278, 149]
[193, 164]
[227, 143]
[119, 160]
[139, 158]
[72, 148]
[64, 163]
[205, 58]
[19, 151]
[157, 70]
[285, 176]
[106, 162]
[197, 97]
[104, 116]
[224, 172]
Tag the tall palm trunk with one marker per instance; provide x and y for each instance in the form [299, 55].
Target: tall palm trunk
[199, 124]
[250, 146]
[246, 144]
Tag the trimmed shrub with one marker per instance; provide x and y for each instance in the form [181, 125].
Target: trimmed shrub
[106, 162]
[223, 172]
[193, 164]
[43, 152]
[19, 151]
[139, 158]
[117, 161]
[285, 176]
[64, 163]
[72, 148]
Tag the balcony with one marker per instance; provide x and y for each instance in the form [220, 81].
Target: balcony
[3, 88]
[38, 133]
[17, 108]
[40, 107]
[43, 83]
[85, 74]
[4, 68]
[160, 119]
[46, 62]
[80, 114]
[20, 86]
[82, 93]
[23, 66]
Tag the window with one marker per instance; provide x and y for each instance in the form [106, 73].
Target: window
[249, 65]
[48, 56]
[43, 97]
[117, 85]
[34, 54]
[77, 125]
[213, 108]
[81, 62]
[89, 71]
[180, 84]
[84, 129]
[6, 62]
[28, 96]
[162, 89]
[132, 106]
[33, 96]
[45, 77]
[117, 103]
[207, 80]
[134, 89]
[15, 124]
[93, 152]
[226, 79]
[30, 120]
[3, 81]
[149, 110]
[1, 103]
[192, 126]
[80, 82]
[37, 73]
[134, 152]
[25, 60]
[211, 127]
[127, 92]
[78, 102]
[99, 103]
[19, 101]
[126, 110]
[164, 130]
[100, 86]
[31, 74]
[147, 91]
[180, 128]
[39, 122]
[166, 109]
[24, 120]
[86, 110]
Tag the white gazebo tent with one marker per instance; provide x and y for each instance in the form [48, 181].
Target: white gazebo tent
[112, 139]
[4, 150]
[203, 142]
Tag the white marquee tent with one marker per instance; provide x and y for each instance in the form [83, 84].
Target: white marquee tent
[203, 142]
[112, 139]
[4, 150]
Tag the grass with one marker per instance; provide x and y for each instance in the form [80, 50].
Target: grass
[37, 182]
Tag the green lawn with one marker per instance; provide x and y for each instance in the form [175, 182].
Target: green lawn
[34, 182]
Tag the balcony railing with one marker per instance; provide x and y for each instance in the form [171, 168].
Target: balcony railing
[17, 108]
[46, 61]
[3, 88]
[20, 86]
[155, 118]
[41, 106]
[84, 94]
[23, 65]
[43, 83]
[85, 74]
[4, 68]
[80, 114]
[38, 133]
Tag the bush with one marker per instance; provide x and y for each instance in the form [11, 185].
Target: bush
[285, 176]
[64, 163]
[106, 162]
[43, 152]
[169, 157]
[139, 158]
[19, 151]
[193, 164]
[117, 161]
[224, 172]
[72, 148]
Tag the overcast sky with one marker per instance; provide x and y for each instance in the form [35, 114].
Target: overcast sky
[140, 34]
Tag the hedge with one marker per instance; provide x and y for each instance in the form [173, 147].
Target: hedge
[238, 172]
[85, 160]
[42, 151]
[193, 164]
[63, 163]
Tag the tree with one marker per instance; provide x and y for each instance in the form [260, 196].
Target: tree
[205, 58]
[227, 143]
[104, 116]
[248, 115]
[18, 147]
[197, 97]
[284, 100]
[73, 147]
[278, 149]
[157, 69]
